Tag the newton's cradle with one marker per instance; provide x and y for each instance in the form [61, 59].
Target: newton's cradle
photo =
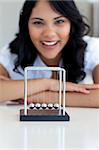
[43, 111]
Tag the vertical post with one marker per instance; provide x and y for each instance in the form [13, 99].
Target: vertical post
[60, 90]
[64, 88]
[25, 93]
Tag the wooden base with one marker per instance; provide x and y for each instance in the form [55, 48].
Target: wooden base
[43, 115]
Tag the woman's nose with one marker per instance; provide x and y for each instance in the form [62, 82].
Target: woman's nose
[49, 33]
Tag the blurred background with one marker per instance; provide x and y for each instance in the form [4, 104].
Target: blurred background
[9, 16]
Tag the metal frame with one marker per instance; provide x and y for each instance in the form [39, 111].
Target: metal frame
[62, 87]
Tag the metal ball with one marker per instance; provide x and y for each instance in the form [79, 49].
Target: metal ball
[37, 105]
[50, 105]
[31, 105]
[44, 105]
[56, 105]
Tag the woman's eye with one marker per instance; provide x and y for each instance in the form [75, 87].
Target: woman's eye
[60, 21]
[38, 23]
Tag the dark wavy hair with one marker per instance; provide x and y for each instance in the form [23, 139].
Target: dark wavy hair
[72, 53]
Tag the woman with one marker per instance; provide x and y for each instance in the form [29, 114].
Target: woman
[51, 33]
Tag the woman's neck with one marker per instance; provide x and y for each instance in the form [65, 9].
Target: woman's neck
[51, 62]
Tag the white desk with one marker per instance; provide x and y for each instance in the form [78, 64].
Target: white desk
[81, 133]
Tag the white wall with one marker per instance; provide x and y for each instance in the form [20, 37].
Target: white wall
[96, 19]
[86, 9]
[9, 14]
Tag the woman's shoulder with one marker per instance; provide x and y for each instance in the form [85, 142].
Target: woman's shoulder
[92, 42]
[6, 57]
[5, 51]
[92, 52]
[6, 54]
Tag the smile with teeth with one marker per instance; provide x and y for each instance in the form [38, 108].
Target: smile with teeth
[49, 43]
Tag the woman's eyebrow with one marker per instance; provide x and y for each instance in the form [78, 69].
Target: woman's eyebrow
[37, 19]
[58, 17]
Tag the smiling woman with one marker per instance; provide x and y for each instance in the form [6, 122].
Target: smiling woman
[56, 38]
[49, 34]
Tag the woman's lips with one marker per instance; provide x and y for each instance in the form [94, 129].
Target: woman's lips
[49, 44]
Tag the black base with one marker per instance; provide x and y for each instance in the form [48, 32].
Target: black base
[43, 115]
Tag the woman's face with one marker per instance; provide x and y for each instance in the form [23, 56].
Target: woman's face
[49, 32]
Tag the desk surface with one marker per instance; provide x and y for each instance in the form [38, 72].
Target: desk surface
[81, 133]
